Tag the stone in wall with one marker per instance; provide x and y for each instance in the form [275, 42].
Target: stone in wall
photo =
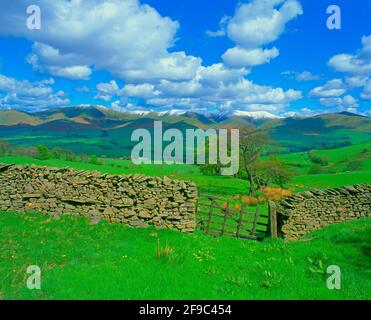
[135, 200]
[312, 210]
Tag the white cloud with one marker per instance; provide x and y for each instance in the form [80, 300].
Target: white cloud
[218, 33]
[346, 102]
[83, 89]
[239, 57]
[301, 76]
[218, 73]
[261, 22]
[330, 102]
[72, 73]
[221, 32]
[128, 39]
[176, 66]
[134, 43]
[218, 87]
[358, 63]
[306, 76]
[29, 96]
[333, 88]
[255, 25]
[356, 81]
[357, 67]
[366, 94]
[144, 91]
[349, 102]
[107, 90]
[303, 112]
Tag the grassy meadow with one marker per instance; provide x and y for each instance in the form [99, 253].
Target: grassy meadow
[111, 261]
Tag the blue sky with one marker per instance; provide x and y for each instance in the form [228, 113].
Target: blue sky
[275, 56]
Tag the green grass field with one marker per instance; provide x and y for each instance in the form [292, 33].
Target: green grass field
[111, 261]
[338, 158]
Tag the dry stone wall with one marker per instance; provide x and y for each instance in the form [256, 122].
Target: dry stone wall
[135, 200]
[315, 209]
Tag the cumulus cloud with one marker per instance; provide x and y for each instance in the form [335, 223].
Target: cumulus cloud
[261, 22]
[356, 81]
[29, 96]
[239, 57]
[255, 25]
[107, 90]
[358, 64]
[128, 39]
[143, 91]
[333, 88]
[346, 102]
[221, 32]
[216, 87]
[72, 73]
[366, 94]
[303, 112]
[134, 43]
[349, 101]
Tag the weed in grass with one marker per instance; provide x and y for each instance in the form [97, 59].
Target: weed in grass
[226, 291]
[270, 279]
[165, 252]
[317, 266]
[204, 255]
[237, 281]
[211, 271]
[289, 260]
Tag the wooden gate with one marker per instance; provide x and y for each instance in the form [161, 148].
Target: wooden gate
[220, 218]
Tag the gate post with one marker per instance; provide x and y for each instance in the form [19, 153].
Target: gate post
[272, 223]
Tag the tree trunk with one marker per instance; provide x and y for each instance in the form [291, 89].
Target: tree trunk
[250, 176]
[251, 179]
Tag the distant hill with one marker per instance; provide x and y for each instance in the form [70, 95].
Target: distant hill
[13, 117]
[322, 131]
[103, 131]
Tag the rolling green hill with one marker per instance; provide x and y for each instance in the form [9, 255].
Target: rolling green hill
[105, 132]
[338, 158]
[13, 117]
[319, 132]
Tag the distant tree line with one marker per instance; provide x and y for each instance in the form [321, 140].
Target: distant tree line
[42, 152]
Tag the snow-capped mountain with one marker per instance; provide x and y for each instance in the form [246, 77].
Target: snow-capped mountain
[255, 114]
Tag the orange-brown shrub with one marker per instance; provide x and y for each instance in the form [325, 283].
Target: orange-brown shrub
[275, 193]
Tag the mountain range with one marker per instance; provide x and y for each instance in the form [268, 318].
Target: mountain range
[106, 132]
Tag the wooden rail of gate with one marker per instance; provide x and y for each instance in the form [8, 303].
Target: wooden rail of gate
[218, 218]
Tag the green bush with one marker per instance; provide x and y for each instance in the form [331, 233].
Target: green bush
[354, 165]
[316, 170]
[43, 152]
[314, 158]
[210, 169]
[94, 160]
